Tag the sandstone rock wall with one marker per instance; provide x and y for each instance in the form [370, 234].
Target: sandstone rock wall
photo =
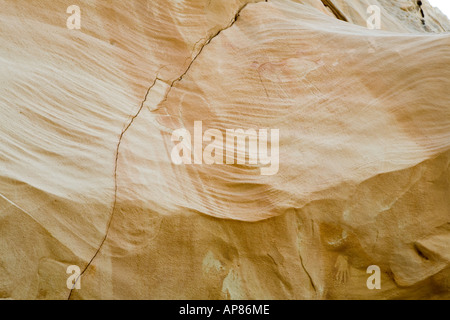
[87, 179]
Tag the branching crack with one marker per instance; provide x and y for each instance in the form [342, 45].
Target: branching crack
[115, 185]
[208, 41]
[233, 21]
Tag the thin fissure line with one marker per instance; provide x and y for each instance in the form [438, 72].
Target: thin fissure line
[115, 185]
[233, 21]
[306, 271]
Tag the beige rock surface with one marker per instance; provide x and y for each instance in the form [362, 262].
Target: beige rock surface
[86, 176]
